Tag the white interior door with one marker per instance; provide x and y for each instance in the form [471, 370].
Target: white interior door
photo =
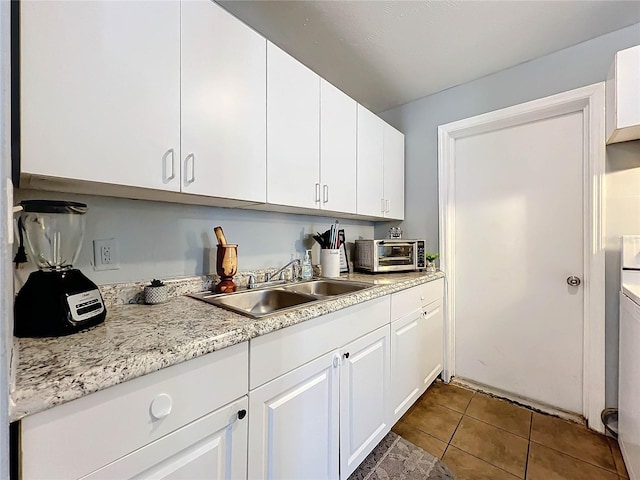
[518, 237]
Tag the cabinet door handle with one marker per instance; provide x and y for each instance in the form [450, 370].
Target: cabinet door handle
[161, 406]
[382, 205]
[241, 414]
[346, 355]
[165, 169]
[325, 193]
[336, 360]
[387, 206]
[190, 159]
[317, 193]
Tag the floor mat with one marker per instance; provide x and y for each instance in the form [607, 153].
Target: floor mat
[395, 458]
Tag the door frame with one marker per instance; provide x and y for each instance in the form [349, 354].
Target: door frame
[590, 101]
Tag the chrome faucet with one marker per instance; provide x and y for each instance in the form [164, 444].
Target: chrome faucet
[278, 276]
[295, 267]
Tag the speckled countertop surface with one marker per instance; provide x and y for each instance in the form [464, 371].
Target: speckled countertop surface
[136, 340]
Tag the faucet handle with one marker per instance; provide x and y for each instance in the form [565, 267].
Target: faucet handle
[281, 276]
[251, 283]
[267, 277]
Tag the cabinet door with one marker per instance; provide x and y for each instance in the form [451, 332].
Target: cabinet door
[406, 362]
[337, 149]
[364, 389]
[294, 421]
[623, 97]
[393, 173]
[369, 189]
[213, 447]
[293, 133]
[431, 343]
[223, 104]
[100, 91]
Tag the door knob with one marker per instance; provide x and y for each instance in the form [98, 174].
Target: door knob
[573, 281]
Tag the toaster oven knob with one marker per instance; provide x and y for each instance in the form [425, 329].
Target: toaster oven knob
[161, 406]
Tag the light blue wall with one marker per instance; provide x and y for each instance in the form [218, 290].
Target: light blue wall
[169, 240]
[574, 67]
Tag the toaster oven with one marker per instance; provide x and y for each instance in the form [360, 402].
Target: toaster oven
[390, 255]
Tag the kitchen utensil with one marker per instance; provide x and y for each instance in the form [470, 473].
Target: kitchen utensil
[222, 240]
[57, 299]
[226, 263]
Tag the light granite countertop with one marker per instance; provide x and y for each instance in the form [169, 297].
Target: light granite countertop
[136, 340]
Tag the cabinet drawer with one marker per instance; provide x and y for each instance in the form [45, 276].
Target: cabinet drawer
[279, 352]
[406, 301]
[79, 437]
[212, 447]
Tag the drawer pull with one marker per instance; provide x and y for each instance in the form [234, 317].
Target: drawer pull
[241, 414]
[161, 406]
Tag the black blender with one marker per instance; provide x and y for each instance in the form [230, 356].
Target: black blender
[57, 299]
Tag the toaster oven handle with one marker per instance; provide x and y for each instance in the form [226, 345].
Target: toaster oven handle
[397, 244]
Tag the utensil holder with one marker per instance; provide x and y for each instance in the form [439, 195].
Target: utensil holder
[330, 262]
[226, 268]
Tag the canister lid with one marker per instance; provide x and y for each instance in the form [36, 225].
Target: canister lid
[53, 206]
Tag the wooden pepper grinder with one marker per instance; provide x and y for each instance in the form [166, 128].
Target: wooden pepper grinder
[226, 263]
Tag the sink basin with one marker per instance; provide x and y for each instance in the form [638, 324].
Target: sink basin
[259, 303]
[276, 299]
[326, 288]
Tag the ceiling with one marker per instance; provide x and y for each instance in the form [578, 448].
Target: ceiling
[388, 53]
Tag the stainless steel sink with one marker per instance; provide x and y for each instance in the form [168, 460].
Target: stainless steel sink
[281, 298]
[258, 303]
[327, 288]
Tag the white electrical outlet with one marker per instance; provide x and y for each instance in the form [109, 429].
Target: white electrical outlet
[105, 254]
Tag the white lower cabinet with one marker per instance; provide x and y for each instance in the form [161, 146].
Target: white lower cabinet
[323, 394]
[293, 426]
[213, 447]
[416, 344]
[405, 351]
[364, 390]
[319, 402]
[178, 422]
[431, 352]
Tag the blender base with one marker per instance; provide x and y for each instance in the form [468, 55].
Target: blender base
[56, 303]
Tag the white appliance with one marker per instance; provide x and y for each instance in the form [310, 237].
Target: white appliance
[629, 377]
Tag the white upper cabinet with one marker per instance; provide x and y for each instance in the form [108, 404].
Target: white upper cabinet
[100, 91]
[370, 164]
[623, 97]
[223, 104]
[293, 136]
[393, 171]
[136, 98]
[338, 124]
[380, 168]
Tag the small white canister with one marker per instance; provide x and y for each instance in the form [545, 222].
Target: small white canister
[330, 262]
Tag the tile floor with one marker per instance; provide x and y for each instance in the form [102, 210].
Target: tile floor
[480, 437]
